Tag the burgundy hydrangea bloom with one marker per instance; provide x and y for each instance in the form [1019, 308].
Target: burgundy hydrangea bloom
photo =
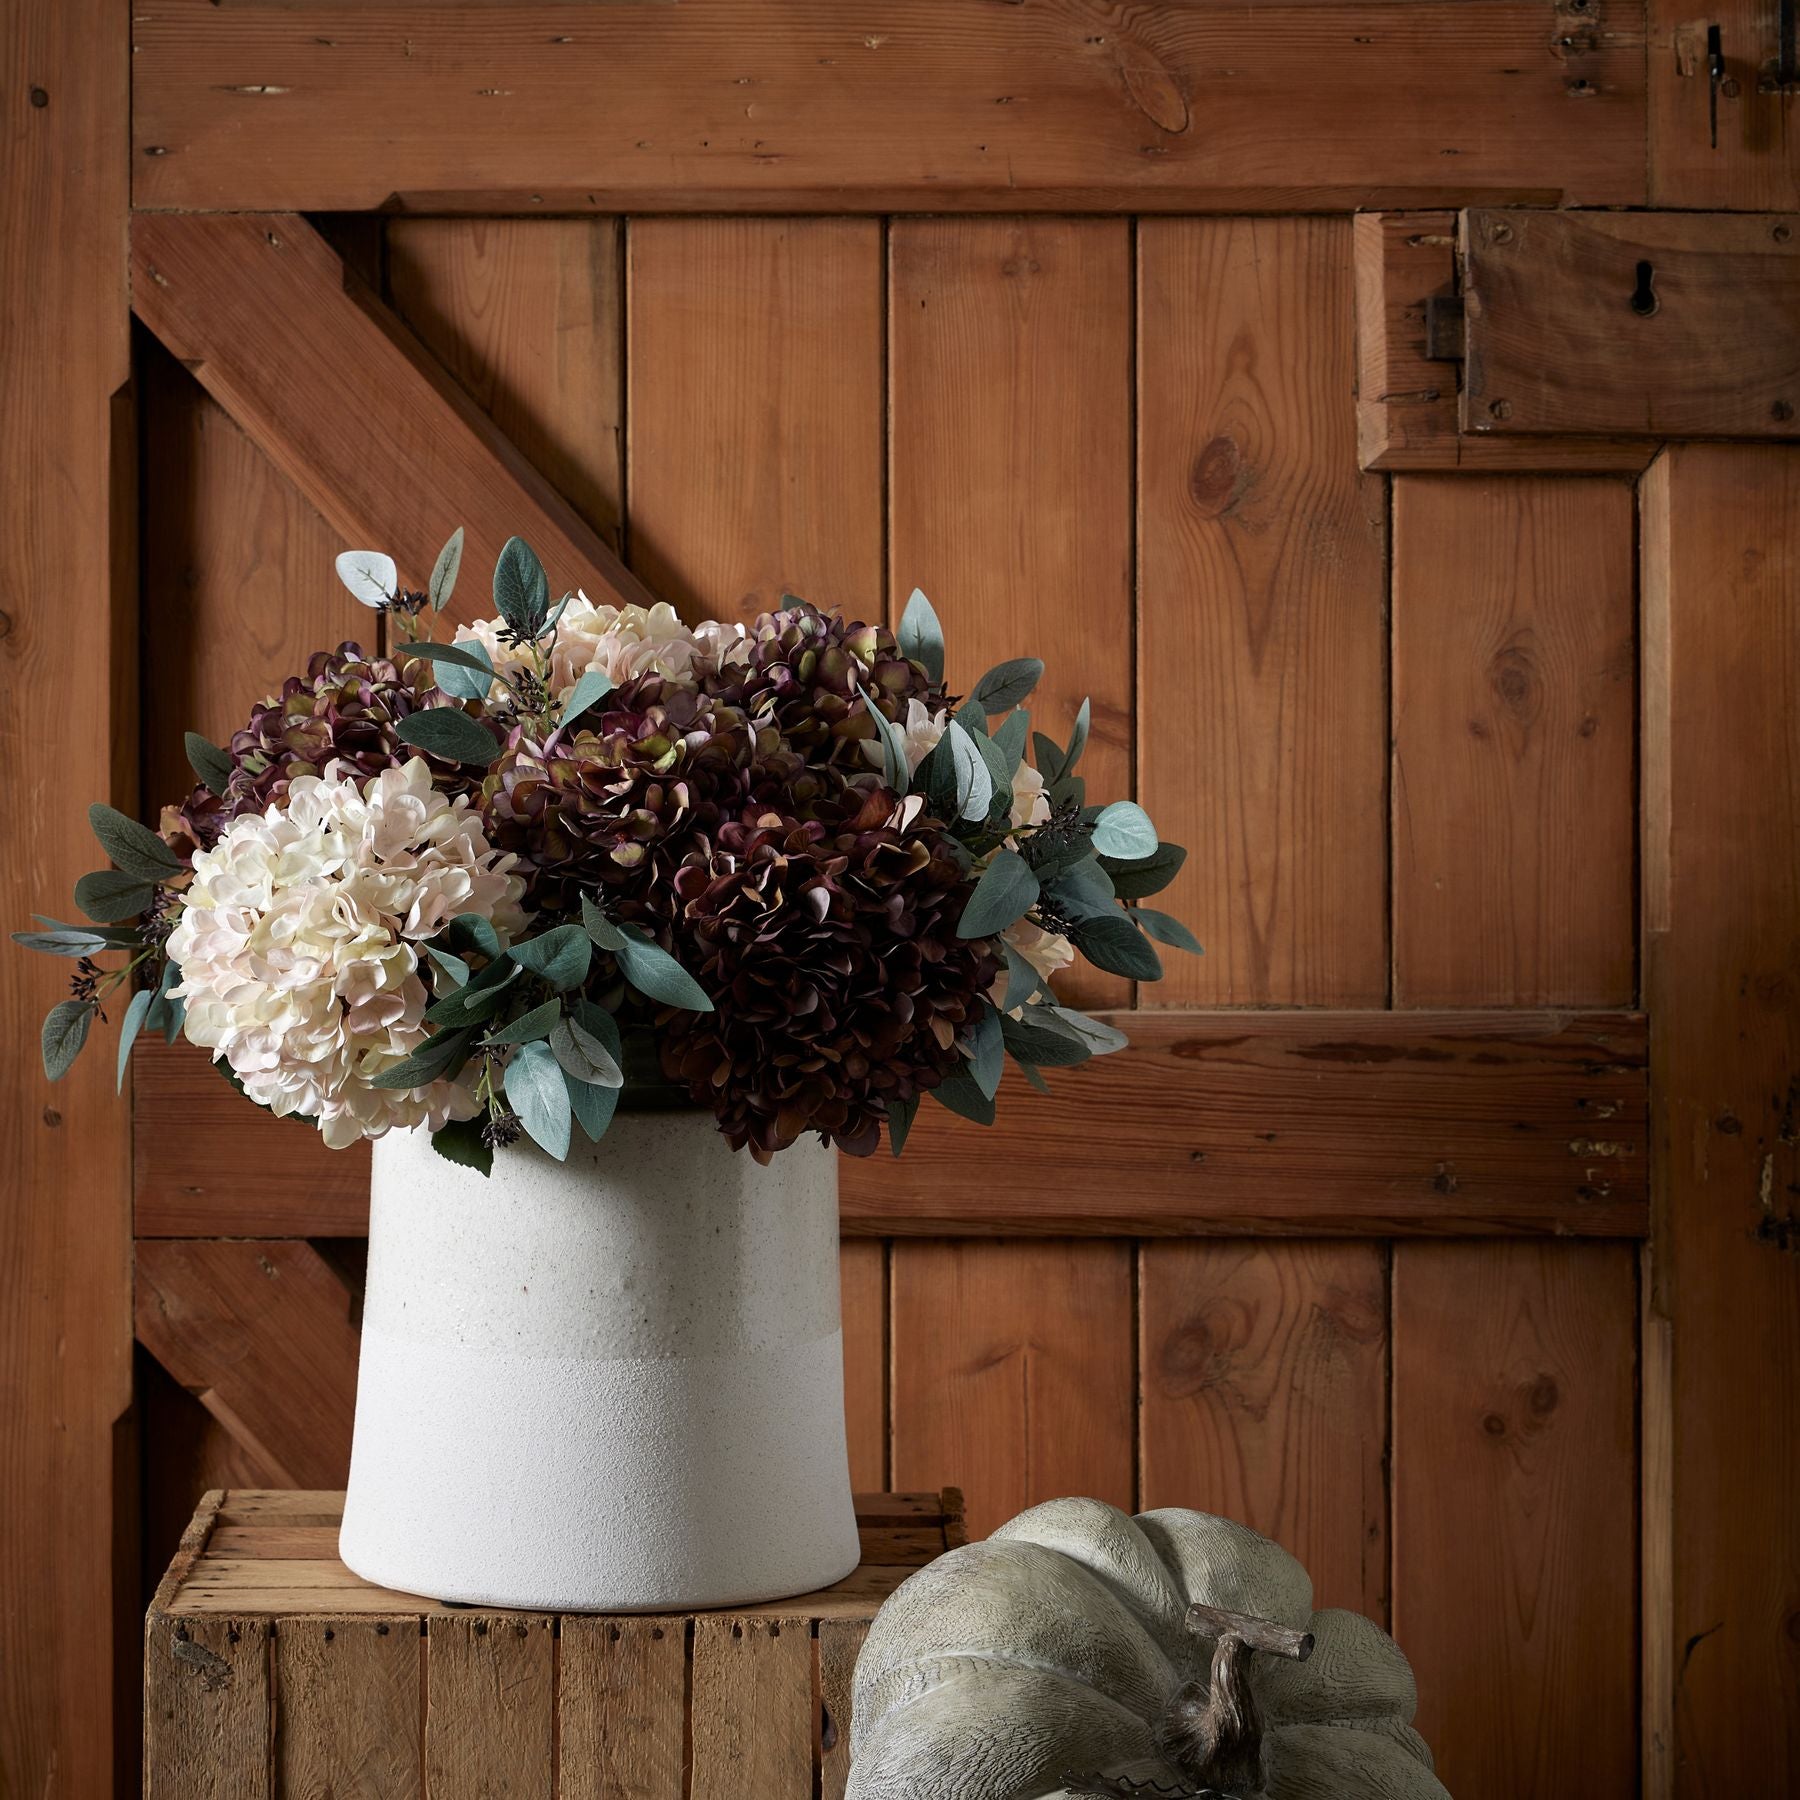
[346, 707]
[832, 956]
[805, 672]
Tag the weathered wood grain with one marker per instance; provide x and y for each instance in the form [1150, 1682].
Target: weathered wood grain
[840, 1642]
[863, 1276]
[1261, 587]
[1010, 383]
[1264, 1396]
[67, 660]
[347, 1693]
[621, 1704]
[906, 104]
[490, 1705]
[1722, 969]
[262, 1334]
[1406, 401]
[1515, 713]
[207, 1717]
[1644, 311]
[528, 315]
[753, 1711]
[347, 403]
[1515, 1484]
[1013, 1372]
[755, 409]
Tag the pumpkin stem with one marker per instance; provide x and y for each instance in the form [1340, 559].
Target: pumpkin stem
[1212, 1730]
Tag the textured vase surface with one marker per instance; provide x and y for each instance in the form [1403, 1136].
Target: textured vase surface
[613, 1384]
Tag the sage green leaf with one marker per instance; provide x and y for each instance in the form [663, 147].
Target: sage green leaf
[1007, 889]
[461, 1142]
[211, 764]
[893, 748]
[129, 1027]
[527, 1027]
[1022, 980]
[599, 1024]
[1101, 1038]
[584, 1056]
[1047, 753]
[1000, 773]
[1078, 737]
[369, 575]
[595, 685]
[470, 931]
[1082, 891]
[1032, 1075]
[111, 895]
[1111, 942]
[561, 956]
[65, 1031]
[443, 584]
[959, 1092]
[68, 940]
[455, 969]
[1124, 830]
[593, 1106]
[1167, 929]
[521, 589]
[1148, 874]
[446, 731]
[1030, 1041]
[437, 1056]
[479, 1000]
[900, 1115]
[654, 972]
[974, 785]
[598, 926]
[988, 1049]
[540, 1096]
[1008, 683]
[133, 847]
[1010, 739]
[921, 636]
[464, 671]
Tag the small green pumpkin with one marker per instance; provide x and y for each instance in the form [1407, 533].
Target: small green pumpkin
[1082, 1652]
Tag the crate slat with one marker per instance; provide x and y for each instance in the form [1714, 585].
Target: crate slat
[622, 1688]
[348, 1692]
[491, 1703]
[752, 1718]
[207, 1716]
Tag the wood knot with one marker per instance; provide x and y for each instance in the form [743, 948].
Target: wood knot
[1513, 677]
[1542, 1396]
[1494, 1425]
[1219, 477]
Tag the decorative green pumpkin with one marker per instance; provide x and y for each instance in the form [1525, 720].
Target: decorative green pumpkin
[1079, 1651]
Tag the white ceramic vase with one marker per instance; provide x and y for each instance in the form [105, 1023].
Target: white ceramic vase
[613, 1384]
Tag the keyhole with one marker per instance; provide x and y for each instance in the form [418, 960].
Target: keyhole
[1643, 298]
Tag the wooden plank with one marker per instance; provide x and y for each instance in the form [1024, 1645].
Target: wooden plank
[1260, 1123]
[1010, 375]
[207, 1721]
[528, 315]
[1721, 894]
[1013, 1370]
[1756, 161]
[262, 1333]
[197, 1142]
[1264, 1396]
[352, 408]
[1625, 322]
[1515, 1483]
[1514, 676]
[490, 1705]
[756, 356]
[908, 104]
[347, 1708]
[863, 1271]
[840, 1643]
[1406, 402]
[622, 1693]
[1261, 588]
[753, 1709]
[67, 646]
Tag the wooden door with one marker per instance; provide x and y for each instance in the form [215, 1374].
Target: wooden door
[1439, 1220]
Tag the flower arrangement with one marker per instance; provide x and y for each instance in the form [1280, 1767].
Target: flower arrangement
[480, 885]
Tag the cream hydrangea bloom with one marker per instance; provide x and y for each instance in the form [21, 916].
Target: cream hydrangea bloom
[919, 734]
[296, 943]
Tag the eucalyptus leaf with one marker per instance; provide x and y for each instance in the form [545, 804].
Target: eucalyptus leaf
[540, 1096]
[65, 1031]
[479, 1000]
[595, 685]
[370, 575]
[470, 931]
[68, 940]
[133, 847]
[974, 783]
[1010, 739]
[1110, 941]
[1146, 875]
[464, 671]
[561, 956]
[449, 732]
[111, 895]
[1007, 889]
[1078, 737]
[1022, 980]
[1124, 830]
[521, 589]
[988, 1049]
[1167, 929]
[894, 771]
[437, 1056]
[593, 1106]
[900, 1115]
[1101, 1038]
[129, 1027]
[960, 1092]
[1030, 1041]
[584, 1056]
[1031, 1074]
[453, 967]
[921, 636]
[599, 927]
[461, 1141]
[602, 1026]
[212, 765]
[1007, 684]
[1081, 891]
[443, 582]
[1047, 753]
[654, 972]
[528, 1027]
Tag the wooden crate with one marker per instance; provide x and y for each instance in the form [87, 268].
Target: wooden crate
[271, 1670]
